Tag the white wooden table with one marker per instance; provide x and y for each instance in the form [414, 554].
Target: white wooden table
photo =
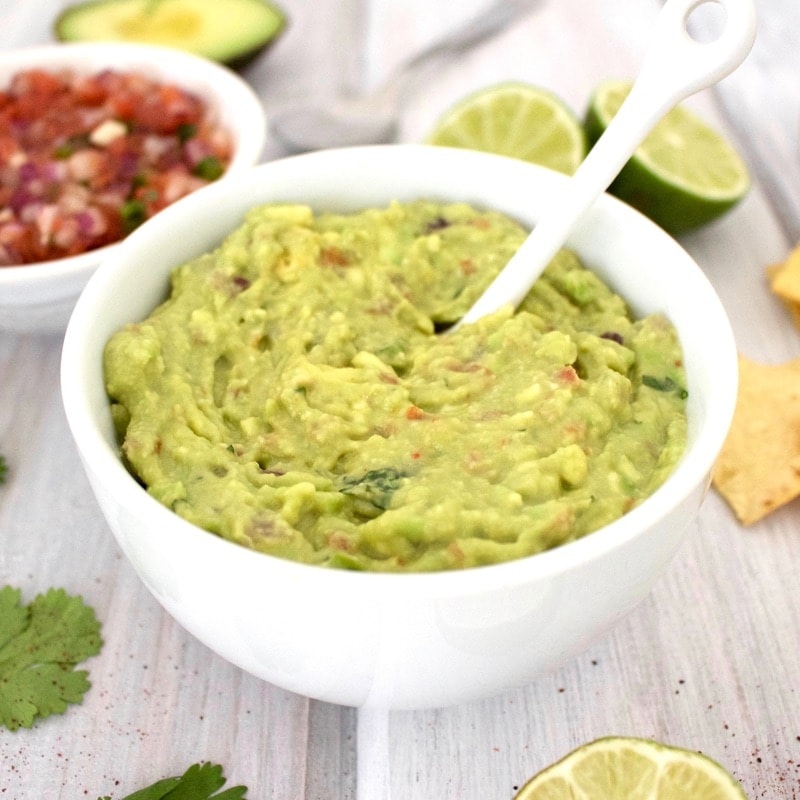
[709, 661]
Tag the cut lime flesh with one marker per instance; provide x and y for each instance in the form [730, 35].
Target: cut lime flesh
[629, 768]
[517, 120]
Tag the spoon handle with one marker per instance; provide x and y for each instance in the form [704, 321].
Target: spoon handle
[676, 66]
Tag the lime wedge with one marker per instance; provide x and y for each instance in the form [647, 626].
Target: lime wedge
[627, 768]
[518, 120]
[684, 174]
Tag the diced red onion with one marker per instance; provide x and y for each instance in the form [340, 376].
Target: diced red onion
[195, 151]
[54, 171]
[91, 222]
[28, 171]
[20, 198]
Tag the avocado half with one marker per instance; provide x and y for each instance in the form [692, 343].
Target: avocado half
[232, 32]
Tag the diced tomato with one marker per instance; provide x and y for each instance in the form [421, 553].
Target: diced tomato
[123, 105]
[167, 110]
[333, 257]
[414, 412]
[568, 375]
[89, 90]
[36, 82]
[8, 146]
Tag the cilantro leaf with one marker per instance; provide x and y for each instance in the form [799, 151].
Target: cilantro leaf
[199, 782]
[3, 470]
[374, 489]
[39, 646]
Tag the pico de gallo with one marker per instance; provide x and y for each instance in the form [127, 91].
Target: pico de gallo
[85, 159]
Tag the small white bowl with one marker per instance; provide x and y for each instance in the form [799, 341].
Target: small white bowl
[40, 297]
[394, 640]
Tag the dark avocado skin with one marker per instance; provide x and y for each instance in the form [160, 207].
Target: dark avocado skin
[245, 59]
[238, 62]
[241, 62]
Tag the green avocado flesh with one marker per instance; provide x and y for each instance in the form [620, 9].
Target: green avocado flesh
[229, 31]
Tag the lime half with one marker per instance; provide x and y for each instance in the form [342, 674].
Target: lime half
[684, 174]
[518, 120]
[627, 768]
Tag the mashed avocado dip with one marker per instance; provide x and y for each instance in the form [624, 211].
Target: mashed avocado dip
[293, 395]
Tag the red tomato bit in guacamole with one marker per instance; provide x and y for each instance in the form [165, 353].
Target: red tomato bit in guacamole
[85, 159]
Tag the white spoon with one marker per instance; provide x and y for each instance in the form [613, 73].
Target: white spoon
[676, 65]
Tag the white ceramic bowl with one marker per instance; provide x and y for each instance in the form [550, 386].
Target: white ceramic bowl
[402, 641]
[40, 297]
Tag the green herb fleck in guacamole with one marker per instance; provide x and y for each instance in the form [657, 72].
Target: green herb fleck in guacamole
[293, 394]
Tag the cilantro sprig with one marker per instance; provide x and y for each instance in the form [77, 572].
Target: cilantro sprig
[199, 782]
[40, 644]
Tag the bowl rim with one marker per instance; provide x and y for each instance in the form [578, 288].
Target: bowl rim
[161, 62]
[693, 469]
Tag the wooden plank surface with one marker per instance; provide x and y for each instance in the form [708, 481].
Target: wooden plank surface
[709, 661]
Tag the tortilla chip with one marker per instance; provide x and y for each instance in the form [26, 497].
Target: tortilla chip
[758, 469]
[772, 271]
[794, 311]
[784, 280]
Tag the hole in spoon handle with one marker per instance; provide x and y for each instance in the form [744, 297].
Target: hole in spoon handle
[677, 65]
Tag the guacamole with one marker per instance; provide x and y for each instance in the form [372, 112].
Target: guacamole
[296, 394]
